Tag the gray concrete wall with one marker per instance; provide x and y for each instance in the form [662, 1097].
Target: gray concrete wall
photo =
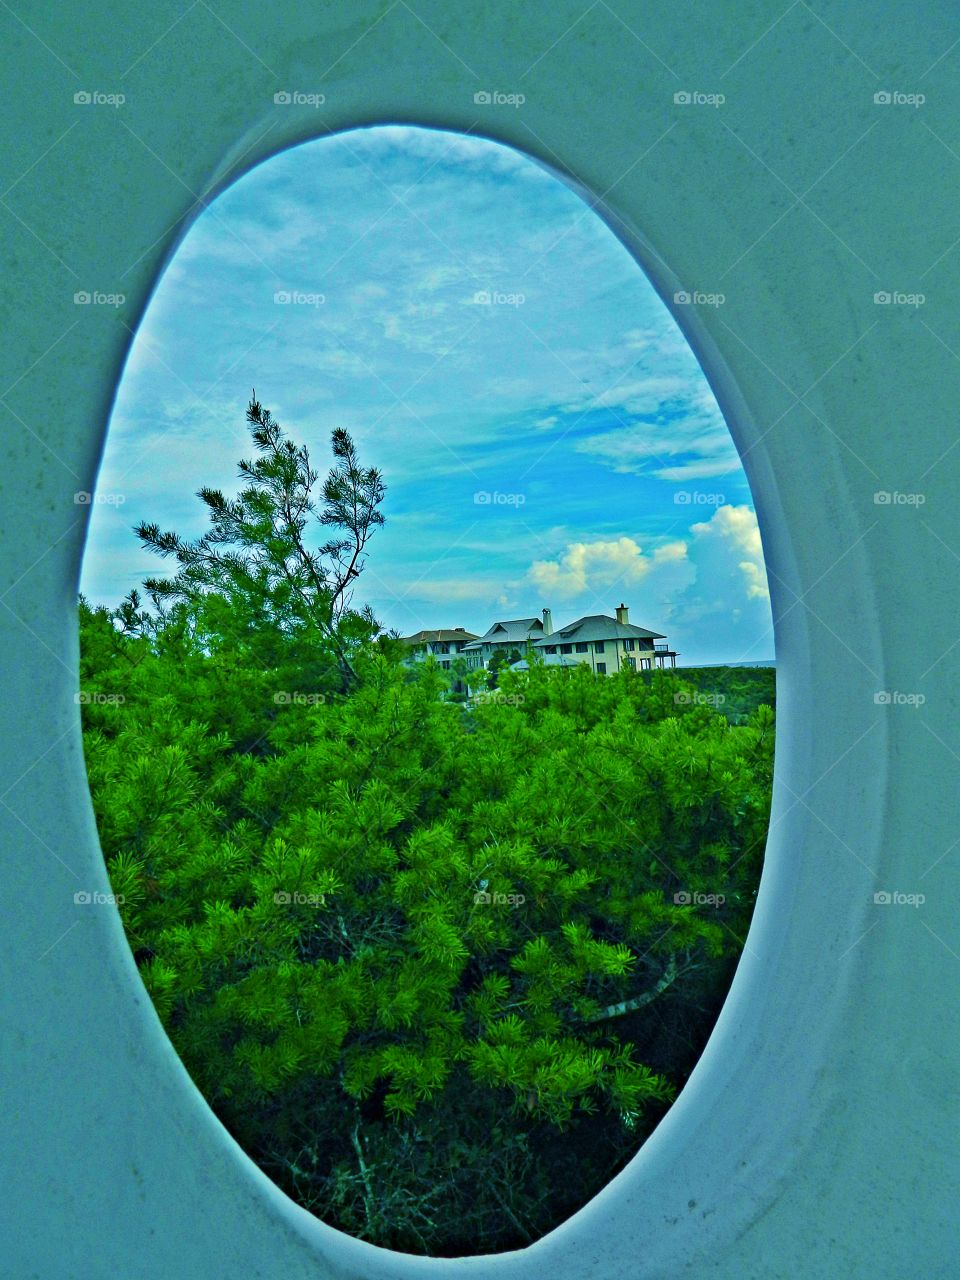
[816, 1137]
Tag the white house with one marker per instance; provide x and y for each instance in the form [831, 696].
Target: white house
[607, 644]
[443, 644]
[507, 637]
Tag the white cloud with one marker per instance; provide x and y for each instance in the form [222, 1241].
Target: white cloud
[588, 566]
[658, 342]
[737, 529]
[707, 590]
[689, 440]
[642, 395]
[453, 147]
[340, 361]
[671, 425]
[366, 291]
[413, 327]
[699, 469]
[722, 613]
[439, 276]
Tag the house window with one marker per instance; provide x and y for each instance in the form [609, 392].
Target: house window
[566, 648]
[628, 645]
[549, 648]
[445, 665]
[601, 668]
[598, 647]
[632, 661]
[582, 647]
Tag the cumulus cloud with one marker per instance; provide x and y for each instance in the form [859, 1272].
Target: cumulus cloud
[588, 566]
[722, 612]
[707, 590]
[736, 528]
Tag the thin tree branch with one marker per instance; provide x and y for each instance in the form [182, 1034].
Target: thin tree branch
[670, 975]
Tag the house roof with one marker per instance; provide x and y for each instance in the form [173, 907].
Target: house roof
[597, 626]
[516, 631]
[443, 635]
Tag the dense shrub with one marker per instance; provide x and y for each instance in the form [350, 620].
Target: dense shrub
[417, 955]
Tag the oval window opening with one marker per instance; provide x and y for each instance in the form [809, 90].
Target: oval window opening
[427, 686]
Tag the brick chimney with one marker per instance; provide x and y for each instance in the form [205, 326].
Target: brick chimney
[623, 614]
[547, 622]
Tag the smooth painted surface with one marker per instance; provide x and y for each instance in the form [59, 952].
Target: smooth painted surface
[816, 1137]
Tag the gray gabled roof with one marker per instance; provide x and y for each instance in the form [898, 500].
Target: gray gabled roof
[517, 631]
[597, 626]
[443, 636]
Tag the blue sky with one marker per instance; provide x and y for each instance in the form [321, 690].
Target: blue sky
[546, 435]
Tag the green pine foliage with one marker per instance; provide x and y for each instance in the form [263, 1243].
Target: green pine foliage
[429, 961]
